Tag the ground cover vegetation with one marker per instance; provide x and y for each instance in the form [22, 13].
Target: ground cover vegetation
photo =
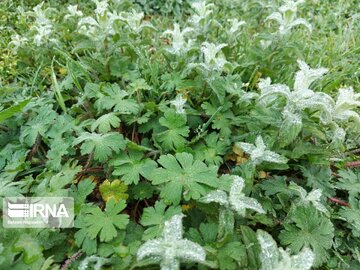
[191, 134]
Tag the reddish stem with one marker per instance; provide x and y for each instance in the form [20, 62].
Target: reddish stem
[353, 164]
[338, 201]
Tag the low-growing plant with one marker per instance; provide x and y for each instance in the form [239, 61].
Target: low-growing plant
[191, 134]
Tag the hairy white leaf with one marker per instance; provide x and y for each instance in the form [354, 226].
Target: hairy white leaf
[179, 44]
[170, 249]
[345, 104]
[274, 258]
[306, 75]
[179, 103]
[213, 59]
[202, 11]
[218, 196]
[236, 200]
[290, 128]
[286, 17]
[235, 25]
[258, 152]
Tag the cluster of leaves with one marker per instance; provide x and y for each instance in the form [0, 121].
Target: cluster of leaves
[195, 134]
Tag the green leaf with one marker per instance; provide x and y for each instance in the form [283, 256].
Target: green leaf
[101, 144]
[114, 98]
[306, 227]
[350, 181]
[352, 216]
[53, 185]
[81, 191]
[9, 112]
[113, 190]
[57, 89]
[275, 185]
[182, 176]
[155, 217]
[212, 150]
[105, 122]
[30, 247]
[249, 239]
[105, 223]
[319, 177]
[130, 166]
[176, 130]
[38, 125]
[222, 119]
[143, 190]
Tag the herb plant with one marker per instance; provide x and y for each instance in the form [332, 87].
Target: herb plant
[192, 134]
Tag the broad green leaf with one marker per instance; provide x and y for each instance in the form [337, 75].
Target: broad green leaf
[30, 247]
[301, 231]
[176, 130]
[7, 113]
[132, 165]
[183, 177]
[103, 145]
[104, 224]
[155, 217]
[105, 122]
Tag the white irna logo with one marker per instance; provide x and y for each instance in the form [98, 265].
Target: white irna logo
[37, 210]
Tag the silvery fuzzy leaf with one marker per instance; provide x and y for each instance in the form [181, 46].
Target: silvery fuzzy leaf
[270, 254]
[303, 260]
[173, 228]
[286, 23]
[218, 196]
[210, 51]
[347, 116]
[226, 222]
[271, 92]
[264, 83]
[290, 128]
[347, 99]
[179, 103]
[276, 16]
[258, 153]
[338, 137]
[239, 202]
[235, 25]
[151, 248]
[178, 39]
[202, 11]
[274, 258]
[88, 21]
[240, 205]
[300, 21]
[171, 248]
[99, 263]
[236, 200]
[302, 192]
[101, 7]
[345, 103]
[306, 75]
[290, 5]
